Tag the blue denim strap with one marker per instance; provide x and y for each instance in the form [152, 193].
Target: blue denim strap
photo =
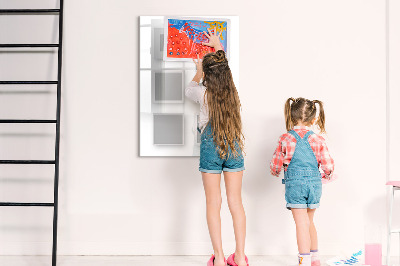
[294, 133]
[309, 133]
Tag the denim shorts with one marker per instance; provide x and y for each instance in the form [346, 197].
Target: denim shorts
[303, 193]
[210, 160]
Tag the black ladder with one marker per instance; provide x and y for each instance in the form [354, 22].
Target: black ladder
[57, 82]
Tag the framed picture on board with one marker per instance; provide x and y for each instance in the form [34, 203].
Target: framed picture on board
[183, 37]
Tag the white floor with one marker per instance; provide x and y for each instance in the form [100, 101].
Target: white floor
[135, 260]
[142, 260]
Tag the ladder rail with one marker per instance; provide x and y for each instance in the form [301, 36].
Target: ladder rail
[57, 144]
[28, 121]
[12, 82]
[28, 204]
[29, 11]
[28, 45]
[27, 161]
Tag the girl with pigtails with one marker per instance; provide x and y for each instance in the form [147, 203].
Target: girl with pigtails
[302, 154]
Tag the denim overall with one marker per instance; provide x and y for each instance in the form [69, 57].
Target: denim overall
[302, 181]
[211, 162]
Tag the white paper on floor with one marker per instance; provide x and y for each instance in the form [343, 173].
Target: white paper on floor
[350, 258]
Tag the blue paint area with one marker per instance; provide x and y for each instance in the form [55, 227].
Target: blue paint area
[198, 26]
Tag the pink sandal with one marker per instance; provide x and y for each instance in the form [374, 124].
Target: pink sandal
[316, 263]
[231, 260]
[211, 261]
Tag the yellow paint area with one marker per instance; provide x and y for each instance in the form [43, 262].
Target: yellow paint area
[216, 25]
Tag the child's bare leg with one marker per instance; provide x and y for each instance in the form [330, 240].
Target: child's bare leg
[233, 184]
[315, 261]
[212, 188]
[302, 221]
[313, 230]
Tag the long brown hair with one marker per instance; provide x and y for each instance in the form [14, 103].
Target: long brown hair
[223, 104]
[303, 110]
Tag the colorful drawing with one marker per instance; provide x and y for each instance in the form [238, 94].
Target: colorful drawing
[184, 37]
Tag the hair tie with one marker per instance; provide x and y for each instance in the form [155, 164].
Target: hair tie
[219, 64]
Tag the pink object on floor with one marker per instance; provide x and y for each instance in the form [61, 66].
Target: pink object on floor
[326, 181]
[373, 254]
[231, 260]
[393, 183]
[211, 260]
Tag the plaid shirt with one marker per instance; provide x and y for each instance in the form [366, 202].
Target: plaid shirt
[287, 144]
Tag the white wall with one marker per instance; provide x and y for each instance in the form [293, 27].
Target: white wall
[114, 202]
[394, 109]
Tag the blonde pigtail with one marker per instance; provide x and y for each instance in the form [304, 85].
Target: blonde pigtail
[321, 116]
[288, 114]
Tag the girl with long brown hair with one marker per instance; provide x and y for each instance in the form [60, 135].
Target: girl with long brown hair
[302, 153]
[221, 147]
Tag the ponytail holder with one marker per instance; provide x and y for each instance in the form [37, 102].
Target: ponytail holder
[219, 64]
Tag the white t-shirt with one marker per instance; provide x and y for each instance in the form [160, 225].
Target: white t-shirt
[196, 92]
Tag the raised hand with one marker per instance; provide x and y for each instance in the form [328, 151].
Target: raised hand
[213, 39]
[199, 68]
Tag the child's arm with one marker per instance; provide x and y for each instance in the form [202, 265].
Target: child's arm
[194, 91]
[277, 159]
[213, 39]
[199, 70]
[327, 163]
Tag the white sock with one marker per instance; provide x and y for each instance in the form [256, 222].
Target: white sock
[305, 260]
[314, 255]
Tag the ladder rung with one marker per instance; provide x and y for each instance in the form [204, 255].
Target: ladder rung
[29, 82]
[395, 231]
[33, 45]
[27, 161]
[7, 11]
[27, 121]
[33, 204]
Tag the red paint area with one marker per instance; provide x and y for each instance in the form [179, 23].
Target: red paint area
[181, 46]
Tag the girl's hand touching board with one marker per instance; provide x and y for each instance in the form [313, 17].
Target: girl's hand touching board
[213, 39]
